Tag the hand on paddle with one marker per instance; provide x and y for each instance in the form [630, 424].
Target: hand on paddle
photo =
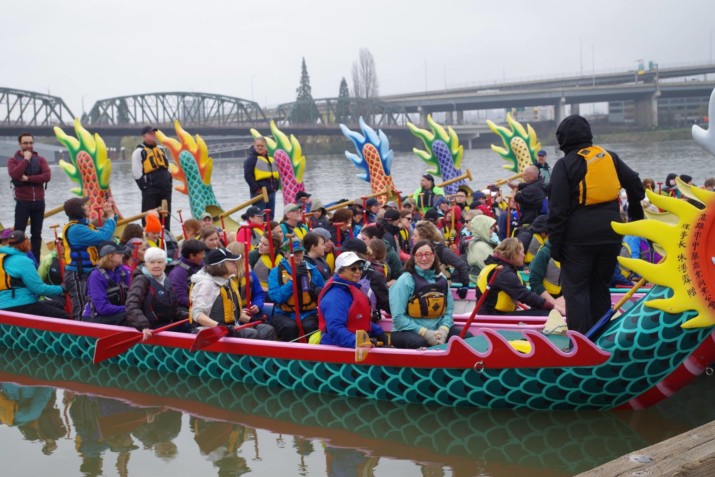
[251, 311]
[245, 317]
[108, 207]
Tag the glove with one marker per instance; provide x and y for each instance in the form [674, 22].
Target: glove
[431, 338]
[462, 292]
[301, 269]
[380, 340]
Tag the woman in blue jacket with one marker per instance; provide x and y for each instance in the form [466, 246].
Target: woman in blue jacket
[20, 284]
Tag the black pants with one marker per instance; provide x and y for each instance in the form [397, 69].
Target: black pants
[76, 287]
[152, 197]
[412, 340]
[49, 308]
[287, 329]
[119, 319]
[258, 332]
[33, 210]
[586, 272]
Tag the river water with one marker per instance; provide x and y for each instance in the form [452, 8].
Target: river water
[65, 417]
[332, 177]
[86, 420]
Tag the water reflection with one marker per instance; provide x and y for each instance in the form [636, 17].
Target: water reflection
[110, 414]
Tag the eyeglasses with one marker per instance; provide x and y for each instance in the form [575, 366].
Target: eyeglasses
[424, 255]
[409, 219]
[27, 142]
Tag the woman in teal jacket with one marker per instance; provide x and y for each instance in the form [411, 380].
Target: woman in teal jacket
[21, 285]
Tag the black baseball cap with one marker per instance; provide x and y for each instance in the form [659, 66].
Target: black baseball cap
[148, 129]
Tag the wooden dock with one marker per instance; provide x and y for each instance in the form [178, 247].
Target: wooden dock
[688, 454]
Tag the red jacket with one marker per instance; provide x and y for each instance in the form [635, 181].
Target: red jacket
[34, 188]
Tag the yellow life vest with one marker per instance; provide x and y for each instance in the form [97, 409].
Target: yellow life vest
[265, 169]
[600, 184]
[330, 260]
[504, 302]
[8, 409]
[429, 300]
[552, 278]
[263, 268]
[154, 159]
[230, 303]
[80, 258]
[537, 241]
[6, 281]
[308, 298]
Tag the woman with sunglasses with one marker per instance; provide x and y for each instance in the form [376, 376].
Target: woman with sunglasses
[343, 308]
[421, 303]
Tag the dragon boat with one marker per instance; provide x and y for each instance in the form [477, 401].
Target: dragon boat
[466, 440]
[644, 355]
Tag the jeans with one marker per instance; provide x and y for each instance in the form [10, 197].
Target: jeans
[35, 211]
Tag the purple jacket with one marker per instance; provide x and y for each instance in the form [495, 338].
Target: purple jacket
[97, 291]
[180, 276]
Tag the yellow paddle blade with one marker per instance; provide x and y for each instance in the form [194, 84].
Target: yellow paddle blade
[362, 345]
[522, 346]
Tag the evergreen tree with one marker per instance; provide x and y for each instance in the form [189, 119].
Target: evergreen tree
[305, 110]
[342, 109]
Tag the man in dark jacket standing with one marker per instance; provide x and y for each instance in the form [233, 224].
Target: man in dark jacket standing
[530, 195]
[260, 170]
[30, 174]
[150, 169]
[583, 202]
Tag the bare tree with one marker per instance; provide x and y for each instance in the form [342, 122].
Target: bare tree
[365, 83]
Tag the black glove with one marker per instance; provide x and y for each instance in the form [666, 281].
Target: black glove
[380, 340]
[462, 292]
[229, 328]
[301, 268]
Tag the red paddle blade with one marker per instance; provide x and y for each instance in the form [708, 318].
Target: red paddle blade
[209, 336]
[116, 344]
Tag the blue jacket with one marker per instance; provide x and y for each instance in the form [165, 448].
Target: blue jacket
[281, 293]
[19, 266]
[335, 305]
[97, 291]
[401, 292]
[258, 296]
[81, 236]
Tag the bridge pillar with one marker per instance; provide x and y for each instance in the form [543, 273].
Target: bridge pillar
[460, 117]
[559, 111]
[449, 117]
[423, 115]
[576, 108]
[647, 111]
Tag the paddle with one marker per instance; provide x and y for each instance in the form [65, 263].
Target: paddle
[479, 303]
[296, 302]
[60, 258]
[209, 336]
[362, 345]
[596, 329]
[116, 344]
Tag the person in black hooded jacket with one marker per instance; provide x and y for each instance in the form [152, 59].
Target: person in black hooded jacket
[581, 236]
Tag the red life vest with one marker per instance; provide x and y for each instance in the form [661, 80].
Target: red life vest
[359, 313]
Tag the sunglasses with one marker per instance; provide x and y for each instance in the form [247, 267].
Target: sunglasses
[354, 268]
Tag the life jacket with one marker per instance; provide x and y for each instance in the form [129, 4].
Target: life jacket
[359, 313]
[54, 274]
[116, 292]
[227, 306]
[308, 299]
[299, 230]
[8, 410]
[429, 300]
[263, 268]
[160, 302]
[552, 278]
[504, 302]
[425, 199]
[6, 281]
[32, 169]
[81, 258]
[265, 169]
[537, 241]
[153, 159]
[404, 239]
[600, 184]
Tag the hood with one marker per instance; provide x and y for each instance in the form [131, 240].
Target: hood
[574, 132]
[201, 276]
[480, 225]
[457, 211]
[10, 250]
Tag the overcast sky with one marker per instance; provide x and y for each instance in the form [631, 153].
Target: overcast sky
[89, 50]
